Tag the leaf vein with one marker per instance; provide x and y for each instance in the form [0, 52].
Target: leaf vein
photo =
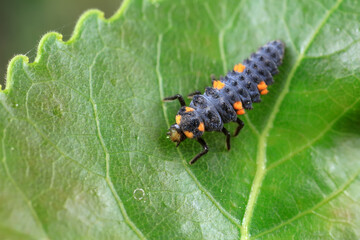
[310, 143]
[29, 121]
[311, 210]
[107, 155]
[23, 195]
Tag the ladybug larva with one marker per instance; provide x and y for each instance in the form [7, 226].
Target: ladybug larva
[227, 98]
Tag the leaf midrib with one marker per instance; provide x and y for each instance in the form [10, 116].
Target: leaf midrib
[261, 153]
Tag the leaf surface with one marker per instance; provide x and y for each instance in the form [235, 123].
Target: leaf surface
[83, 146]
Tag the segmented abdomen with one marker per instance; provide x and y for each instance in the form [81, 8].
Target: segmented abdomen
[260, 67]
[242, 86]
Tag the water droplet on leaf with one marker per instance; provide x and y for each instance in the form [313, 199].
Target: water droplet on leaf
[139, 194]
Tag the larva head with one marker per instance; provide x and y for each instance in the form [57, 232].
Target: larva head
[175, 134]
[188, 125]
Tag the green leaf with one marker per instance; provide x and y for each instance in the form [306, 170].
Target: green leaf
[83, 129]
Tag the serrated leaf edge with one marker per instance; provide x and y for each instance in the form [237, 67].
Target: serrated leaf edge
[59, 37]
[23, 59]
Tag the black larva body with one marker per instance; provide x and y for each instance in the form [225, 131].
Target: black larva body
[228, 97]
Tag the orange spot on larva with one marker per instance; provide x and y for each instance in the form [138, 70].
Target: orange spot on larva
[218, 84]
[240, 112]
[239, 108]
[188, 109]
[188, 134]
[239, 67]
[201, 127]
[237, 105]
[261, 86]
[178, 119]
[263, 92]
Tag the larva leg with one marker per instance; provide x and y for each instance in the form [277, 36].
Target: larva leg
[191, 95]
[239, 127]
[177, 96]
[227, 134]
[203, 152]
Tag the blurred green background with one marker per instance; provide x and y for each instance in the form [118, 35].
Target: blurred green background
[24, 22]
